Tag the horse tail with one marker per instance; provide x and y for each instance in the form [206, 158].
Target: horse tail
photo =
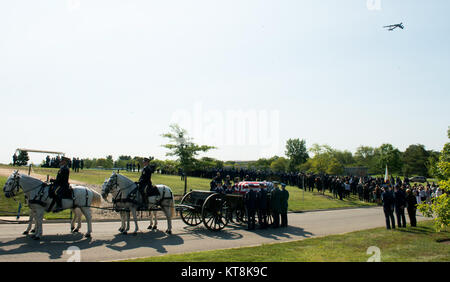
[96, 199]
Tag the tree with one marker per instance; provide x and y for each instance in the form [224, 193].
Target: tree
[439, 208]
[415, 159]
[365, 156]
[325, 160]
[22, 158]
[388, 155]
[182, 147]
[296, 152]
[280, 165]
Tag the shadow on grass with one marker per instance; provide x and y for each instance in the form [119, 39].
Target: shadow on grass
[425, 230]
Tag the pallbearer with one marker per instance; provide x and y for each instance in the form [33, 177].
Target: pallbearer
[284, 197]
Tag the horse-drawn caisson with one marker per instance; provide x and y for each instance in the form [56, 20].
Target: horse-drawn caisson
[214, 209]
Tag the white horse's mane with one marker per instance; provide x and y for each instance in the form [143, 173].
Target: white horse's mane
[29, 182]
[123, 181]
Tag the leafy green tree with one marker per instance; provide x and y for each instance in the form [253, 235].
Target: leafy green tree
[431, 164]
[388, 155]
[334, 167]
[345, 158]
[415, 159]
[439, 208]
[365, 156]
[22, 158]
[264, 163]
[296, 152]
[182, 147]
[105, 163]
[280, 165]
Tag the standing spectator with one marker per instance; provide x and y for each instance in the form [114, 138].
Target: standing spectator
[284, 197]
[81, 164]
[139, 167]
[411, 203]
[400, 203]
[422, 195]
[14, 159]
[388, 207]
[347, 189]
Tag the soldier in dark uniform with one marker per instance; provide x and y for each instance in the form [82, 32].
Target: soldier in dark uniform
[146, 181]
[275, 205]
[60, 185]
[388, 207]
[400, 204]
[262, 207]
[250, 205]
[411, 203]
[284, 197]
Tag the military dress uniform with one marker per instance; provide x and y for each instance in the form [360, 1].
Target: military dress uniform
[284, 197]
[145, 181]
[60, 187]
[262, 207]
[388, 208]
[250, 204]
[275, 205]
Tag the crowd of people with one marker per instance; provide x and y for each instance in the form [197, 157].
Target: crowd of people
[267, 200]
[393, 194]
[75, 163]
[133, 167]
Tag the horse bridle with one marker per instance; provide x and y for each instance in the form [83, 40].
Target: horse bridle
[16, 186]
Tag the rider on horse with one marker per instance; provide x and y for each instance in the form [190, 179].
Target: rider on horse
[60, 185]
[145, 181]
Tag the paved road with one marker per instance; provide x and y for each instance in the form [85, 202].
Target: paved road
[106, 244]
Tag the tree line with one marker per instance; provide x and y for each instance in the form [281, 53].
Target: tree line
[415, 160]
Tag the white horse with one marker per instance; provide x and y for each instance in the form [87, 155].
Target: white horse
[39, 201]
[126, 198]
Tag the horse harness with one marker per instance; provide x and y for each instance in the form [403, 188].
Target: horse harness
[38, 199]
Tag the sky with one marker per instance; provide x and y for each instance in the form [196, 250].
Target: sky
[102, 77]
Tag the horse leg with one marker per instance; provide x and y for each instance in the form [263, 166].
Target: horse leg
[168, 214]
[72, 222]
[122, 221]
[136, 227]
[77, 218]
[151, 220]
[39, 214]
[127, 215]
[87, 214]
[155, 218]
[30, 223]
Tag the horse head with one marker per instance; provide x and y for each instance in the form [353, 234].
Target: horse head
[12, 185]
[109, 185]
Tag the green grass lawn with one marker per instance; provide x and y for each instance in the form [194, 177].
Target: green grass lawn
[412, 244]
[298, 201]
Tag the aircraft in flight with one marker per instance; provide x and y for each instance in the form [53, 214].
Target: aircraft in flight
[394, 26]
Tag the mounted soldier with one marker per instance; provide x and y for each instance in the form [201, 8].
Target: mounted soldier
[145, 185]
[60, 186]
